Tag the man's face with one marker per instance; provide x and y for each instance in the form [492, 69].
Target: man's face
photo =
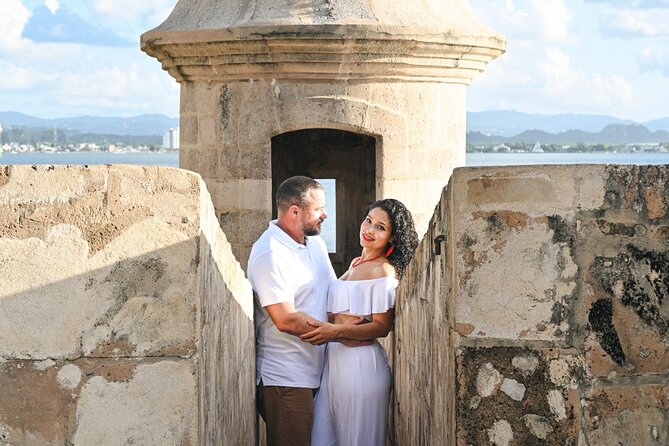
[314, 213]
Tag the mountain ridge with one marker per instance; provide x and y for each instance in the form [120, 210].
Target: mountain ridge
[512, 123]
[487, 126]
[611, 134]
[140, 125]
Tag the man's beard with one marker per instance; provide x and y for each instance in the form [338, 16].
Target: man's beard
[312, 230]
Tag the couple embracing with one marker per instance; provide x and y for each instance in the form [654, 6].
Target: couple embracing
[309, 393]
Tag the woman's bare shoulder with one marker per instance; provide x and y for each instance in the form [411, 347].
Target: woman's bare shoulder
[382, 269]
[388, 269]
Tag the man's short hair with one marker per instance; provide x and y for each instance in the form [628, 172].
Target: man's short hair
[295, 190]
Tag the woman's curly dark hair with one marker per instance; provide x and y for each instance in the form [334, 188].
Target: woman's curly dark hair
[403, 236]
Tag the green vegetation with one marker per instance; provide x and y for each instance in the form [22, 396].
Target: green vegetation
[64, 138]
[566, 148]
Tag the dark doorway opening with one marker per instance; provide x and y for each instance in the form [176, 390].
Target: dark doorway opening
[346, 161]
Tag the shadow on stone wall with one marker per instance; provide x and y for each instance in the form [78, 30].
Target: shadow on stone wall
[120, 321]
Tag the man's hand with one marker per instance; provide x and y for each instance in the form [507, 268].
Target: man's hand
[355, 342]
[323, 333]
[326, 332]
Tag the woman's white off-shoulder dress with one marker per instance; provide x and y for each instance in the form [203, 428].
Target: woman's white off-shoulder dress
[351, 407]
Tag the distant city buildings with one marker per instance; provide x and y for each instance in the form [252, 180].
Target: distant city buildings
[171, 139]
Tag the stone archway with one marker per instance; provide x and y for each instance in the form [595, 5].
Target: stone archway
[344, 158]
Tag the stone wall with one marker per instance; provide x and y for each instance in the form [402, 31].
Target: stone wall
[545, 319]
[124, 318]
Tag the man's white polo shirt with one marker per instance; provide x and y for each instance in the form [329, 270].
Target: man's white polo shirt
[282, 270]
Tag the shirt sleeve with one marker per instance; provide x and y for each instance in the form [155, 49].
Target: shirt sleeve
[269, 281]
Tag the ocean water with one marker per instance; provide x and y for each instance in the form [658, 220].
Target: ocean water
[514, 159]
[473, 159]
[89, 158]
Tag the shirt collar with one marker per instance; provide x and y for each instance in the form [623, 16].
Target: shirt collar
[284, 238]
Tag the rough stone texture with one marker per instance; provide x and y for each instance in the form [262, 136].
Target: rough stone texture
[423, 361]
[558, 281]
[109, 291]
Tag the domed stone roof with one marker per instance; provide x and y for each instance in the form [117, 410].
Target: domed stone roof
[433, 40]
[444, 16]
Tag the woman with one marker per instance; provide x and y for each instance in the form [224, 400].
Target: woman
[351, 406]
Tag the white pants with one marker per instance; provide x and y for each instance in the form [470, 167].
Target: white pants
[351, 407]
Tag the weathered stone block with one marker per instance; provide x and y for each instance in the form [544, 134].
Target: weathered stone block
[224, 194]
[639, 192]
[255, 163]
[205, 161]
[628, 308]
[208, 131]
[530, 297]
[255, 223]
[35, 406]
[256, 195]
[515, 396]
[188, 133]
[157, 405]
[627, 415]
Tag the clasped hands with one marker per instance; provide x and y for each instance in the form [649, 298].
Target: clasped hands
[325, 332]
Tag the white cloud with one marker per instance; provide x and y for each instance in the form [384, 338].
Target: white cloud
[538, 80]
[21, 78]
[501, 15]
[134, 88]
[130, 18]
[65, 79]
[96, 85]
[551, 19]
[558, 73]
[133, 9]
[527, 20]
[13, 18]
[52, 5]
[642, 4]
[566, 84]
[652, 59]
[647, 22]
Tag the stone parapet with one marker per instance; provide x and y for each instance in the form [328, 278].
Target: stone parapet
[544, 318]
[120, 303]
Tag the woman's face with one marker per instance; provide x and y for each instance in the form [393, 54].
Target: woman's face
[375, 230]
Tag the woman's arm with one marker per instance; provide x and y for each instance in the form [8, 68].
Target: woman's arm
[379, 327]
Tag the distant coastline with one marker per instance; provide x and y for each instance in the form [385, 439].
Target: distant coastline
[171, 159]
[487, 132]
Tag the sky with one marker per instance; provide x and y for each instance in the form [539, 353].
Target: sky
[61, 58]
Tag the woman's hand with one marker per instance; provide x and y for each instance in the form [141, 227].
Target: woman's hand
[323, 333]
[328, 332]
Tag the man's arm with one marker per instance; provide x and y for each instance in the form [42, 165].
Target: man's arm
[288, 320]
[379, 327]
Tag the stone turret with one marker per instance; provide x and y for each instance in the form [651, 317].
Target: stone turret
[370, 93]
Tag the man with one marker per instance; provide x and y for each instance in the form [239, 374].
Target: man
[289, 271]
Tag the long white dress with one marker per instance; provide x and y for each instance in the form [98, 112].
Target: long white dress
[351, 407]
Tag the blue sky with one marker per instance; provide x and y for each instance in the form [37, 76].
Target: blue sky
[72, 57]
